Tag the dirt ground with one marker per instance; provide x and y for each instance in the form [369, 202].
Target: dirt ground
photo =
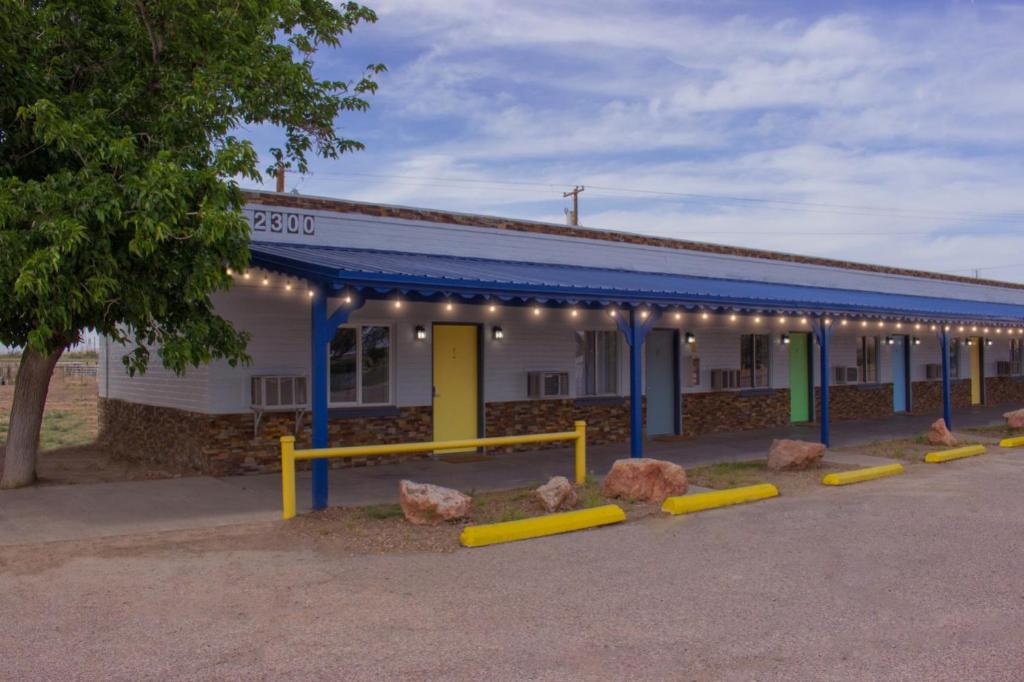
[69, 451]
[908, 578]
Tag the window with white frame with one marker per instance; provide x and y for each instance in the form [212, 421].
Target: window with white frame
[867, 359]
[755, 360]
[360, 365]
[1016, 356]
[597, 363]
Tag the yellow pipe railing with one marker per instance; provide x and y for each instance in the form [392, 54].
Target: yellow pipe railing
[289, 455]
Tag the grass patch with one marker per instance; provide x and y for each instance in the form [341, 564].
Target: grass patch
[383, 511]
[60, 429]
[752, 472]
[996, 431]
[728, 474]
[904, 449]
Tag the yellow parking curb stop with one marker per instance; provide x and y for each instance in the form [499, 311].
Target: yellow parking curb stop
[955, 453]
[860, 475]
[686, 504]
[539, 526]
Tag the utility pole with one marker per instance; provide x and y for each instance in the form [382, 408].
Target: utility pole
[280, 177]
[574, 216]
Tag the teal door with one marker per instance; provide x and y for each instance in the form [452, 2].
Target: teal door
[662, 378]
[900, 371]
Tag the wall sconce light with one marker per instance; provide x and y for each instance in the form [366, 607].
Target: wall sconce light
[916, 341]
[889, 341]
[988, 342]
[970, 342]
[421, 333]
[497, 333]
[689, 337]
[784, 339]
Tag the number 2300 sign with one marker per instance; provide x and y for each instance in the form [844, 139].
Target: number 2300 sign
[278, 221]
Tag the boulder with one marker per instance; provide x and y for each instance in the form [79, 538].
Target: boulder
[428, 505]
[794, 455]
[1015, 419]
[938, 434]
[557, 494]
[644, 479]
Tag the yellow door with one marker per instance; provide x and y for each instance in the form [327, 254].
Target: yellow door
[455, 382]
[976, 371]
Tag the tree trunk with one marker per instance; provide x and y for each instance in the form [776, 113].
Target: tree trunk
[30, 389]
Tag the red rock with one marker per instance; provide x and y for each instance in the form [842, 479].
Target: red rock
[428, 505]
[557, 494]
[938, 434]
[794, 455]
[644, 479]
[1015, 419]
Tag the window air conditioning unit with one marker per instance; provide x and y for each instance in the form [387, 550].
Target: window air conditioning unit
[547, 384]
[933, 371]
[845, 375]
[724, 378]
[1004, 368]
[278, 393]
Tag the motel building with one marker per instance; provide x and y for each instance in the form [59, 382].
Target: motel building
[385, 324]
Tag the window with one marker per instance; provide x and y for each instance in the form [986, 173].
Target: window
[597, 363]
[1016, 356]
[954, 358]
[360, 366]
[754, 358]
[867, 359]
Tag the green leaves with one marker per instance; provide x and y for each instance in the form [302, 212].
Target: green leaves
[118, 150]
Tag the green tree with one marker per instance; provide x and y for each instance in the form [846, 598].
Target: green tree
[119, 207]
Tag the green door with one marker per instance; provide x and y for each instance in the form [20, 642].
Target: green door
[799, 378]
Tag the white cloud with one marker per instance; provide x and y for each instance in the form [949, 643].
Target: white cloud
[916, 110]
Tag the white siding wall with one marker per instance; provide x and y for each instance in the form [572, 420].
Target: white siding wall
[158, 386]
[372, 232]
[279, 324]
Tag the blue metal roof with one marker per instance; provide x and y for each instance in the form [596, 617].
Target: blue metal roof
[379, 273]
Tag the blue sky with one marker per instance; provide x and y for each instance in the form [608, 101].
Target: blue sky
[887, 132]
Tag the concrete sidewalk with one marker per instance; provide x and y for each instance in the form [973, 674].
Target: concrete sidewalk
[52, 513]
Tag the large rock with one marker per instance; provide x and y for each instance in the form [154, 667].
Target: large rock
[794, 455]
[644, 479]
[1015, 419]
[557, 494]
[938, 434]
[428, 505]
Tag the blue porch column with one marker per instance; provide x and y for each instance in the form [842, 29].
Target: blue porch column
[318, 383]
[823, 334]
[322, 329]
[947, 393]
[634, 328]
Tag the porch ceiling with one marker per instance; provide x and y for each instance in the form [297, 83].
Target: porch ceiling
[378, 274]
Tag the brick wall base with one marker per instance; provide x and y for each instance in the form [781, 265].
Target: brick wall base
[225, 444]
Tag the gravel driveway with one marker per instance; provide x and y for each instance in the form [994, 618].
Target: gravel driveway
[919, 577]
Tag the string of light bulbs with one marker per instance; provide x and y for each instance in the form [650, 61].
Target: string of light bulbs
[677, 314]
